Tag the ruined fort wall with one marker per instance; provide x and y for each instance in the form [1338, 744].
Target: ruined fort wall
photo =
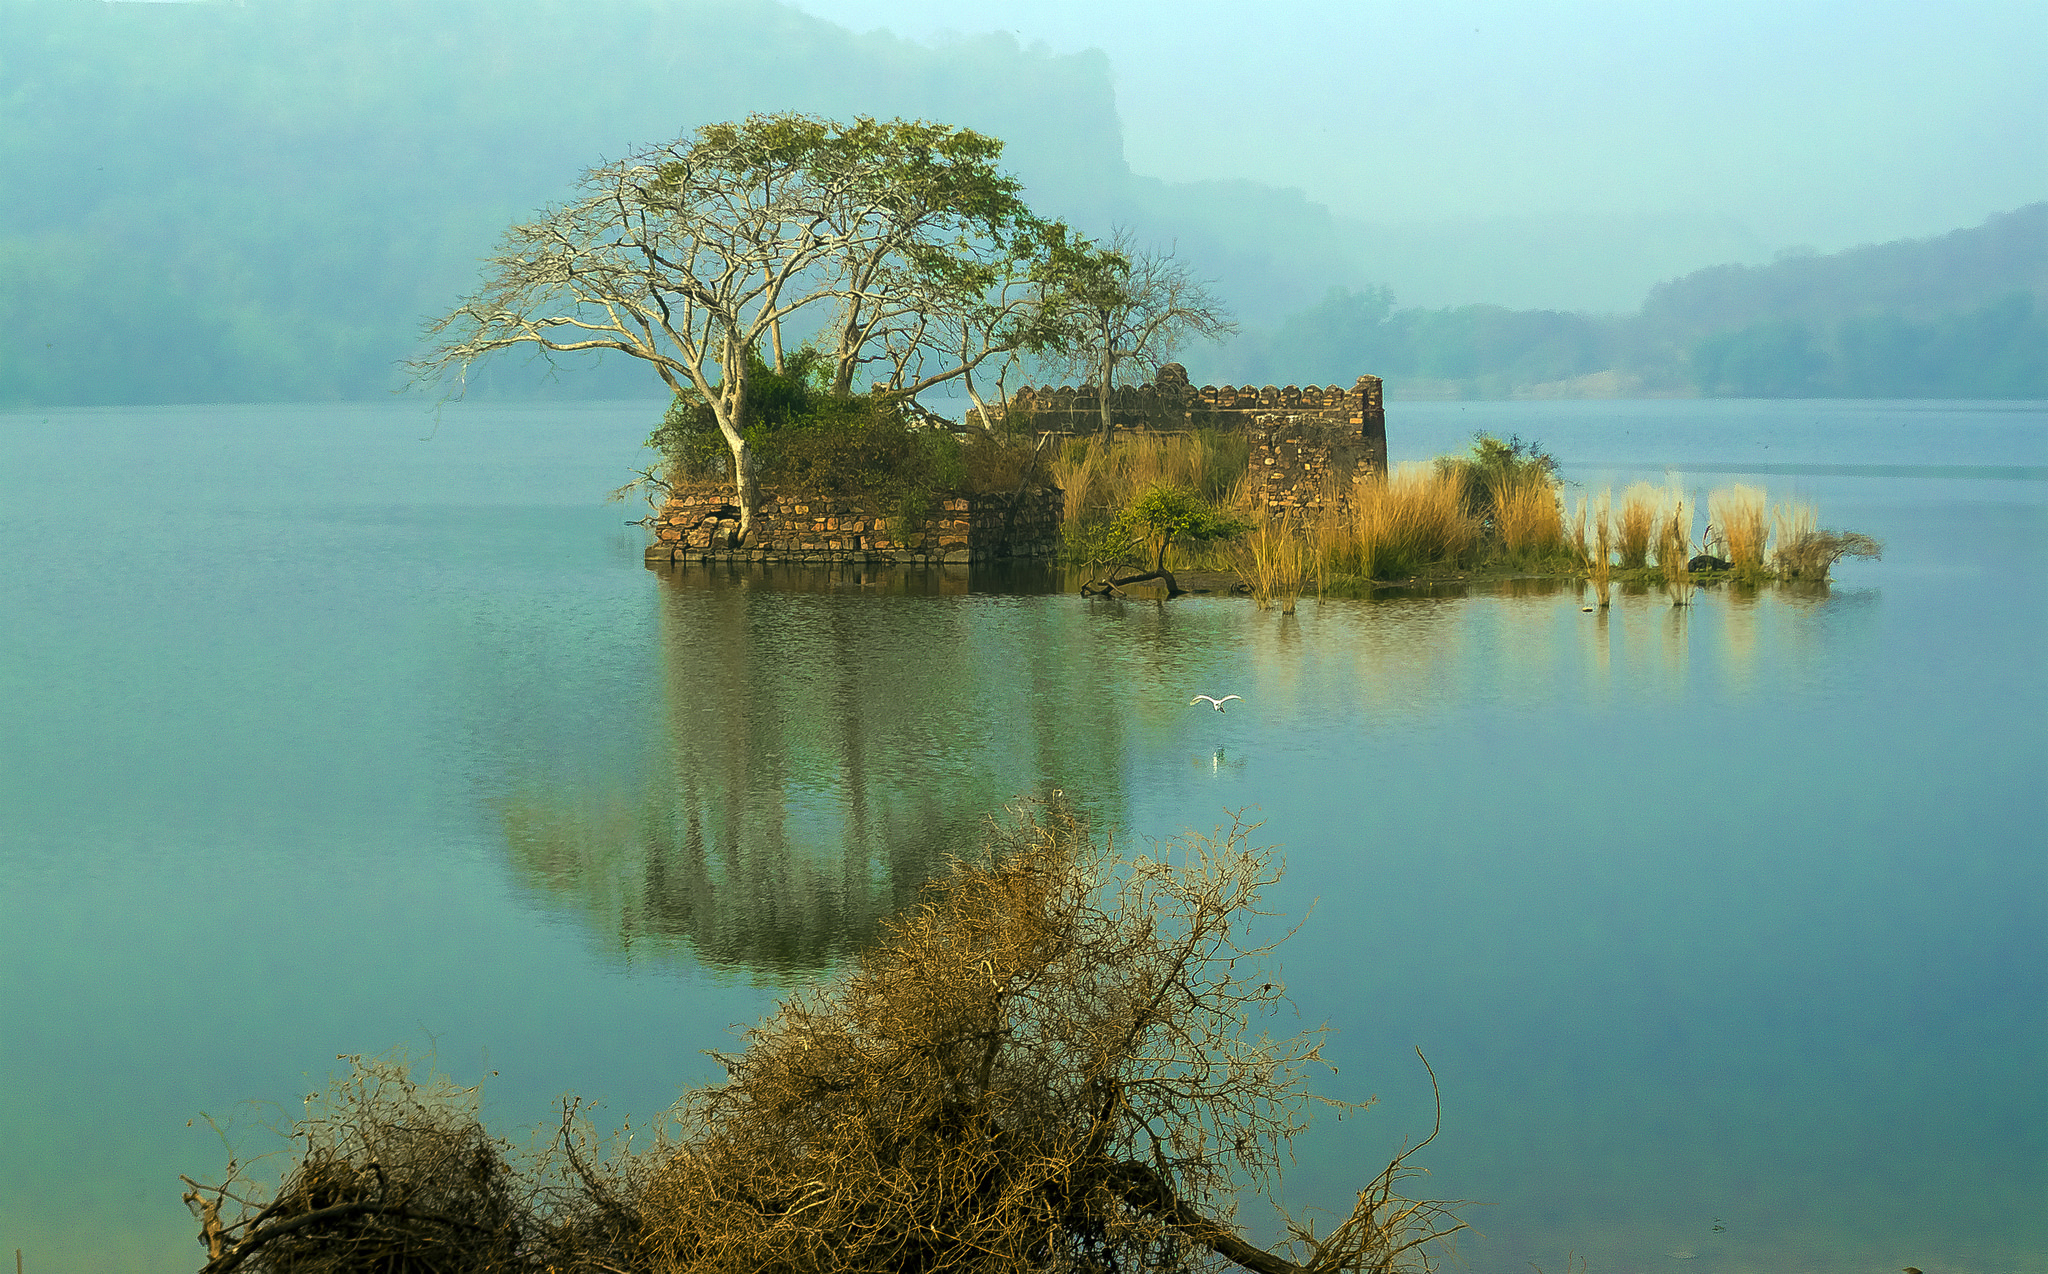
[697, 523]
[1307, 462]
[1170, 403]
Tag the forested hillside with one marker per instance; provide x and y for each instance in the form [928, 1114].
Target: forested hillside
[211, 202]
[1964, 315]
[263, 201]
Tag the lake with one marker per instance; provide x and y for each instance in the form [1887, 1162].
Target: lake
[335, 729]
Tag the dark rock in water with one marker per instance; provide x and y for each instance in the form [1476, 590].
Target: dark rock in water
[1708, 562]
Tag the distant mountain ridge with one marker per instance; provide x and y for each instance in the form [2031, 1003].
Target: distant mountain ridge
[1959, 315]
[263, 201]
[1913, 278]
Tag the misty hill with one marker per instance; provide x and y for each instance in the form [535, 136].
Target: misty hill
[211, 202]
[1962, 315]
[1917, 279]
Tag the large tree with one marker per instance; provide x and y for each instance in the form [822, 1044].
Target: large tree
[1120, 305]
[695, 253]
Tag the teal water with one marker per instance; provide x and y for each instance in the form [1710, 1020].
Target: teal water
[328, 730]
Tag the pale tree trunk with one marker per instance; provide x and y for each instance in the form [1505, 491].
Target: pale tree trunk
[729, 408]
[1102, 387]
[744, 494]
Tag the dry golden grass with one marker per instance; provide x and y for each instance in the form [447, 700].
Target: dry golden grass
[1413, 520]
[1600, 562]
[1527, 519]
[1637, 523]
[1792, 524]
[1101, 478]
[1738, 514]
[1275, 557]
[1807, 552]
[1674, 552]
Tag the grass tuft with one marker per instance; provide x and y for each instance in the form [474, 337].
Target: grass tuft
[1738, 515]
[1636, 523]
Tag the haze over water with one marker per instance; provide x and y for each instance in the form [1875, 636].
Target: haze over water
[346, 729]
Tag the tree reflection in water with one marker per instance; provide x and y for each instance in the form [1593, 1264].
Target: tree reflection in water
[832, 735]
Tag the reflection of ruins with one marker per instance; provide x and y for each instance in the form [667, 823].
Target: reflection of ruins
[831, 738]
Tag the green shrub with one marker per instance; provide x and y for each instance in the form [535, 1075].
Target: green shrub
[804, 438]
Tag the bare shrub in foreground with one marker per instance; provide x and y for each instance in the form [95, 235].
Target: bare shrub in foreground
[1053, 1062]
[1050, 1064]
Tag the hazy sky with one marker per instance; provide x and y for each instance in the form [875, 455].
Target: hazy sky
[1822, 124]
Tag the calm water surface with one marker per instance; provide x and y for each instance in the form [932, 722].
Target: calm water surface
[328, 730]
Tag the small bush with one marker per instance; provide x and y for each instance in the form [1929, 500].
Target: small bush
[1496, 468]
[1807, 552]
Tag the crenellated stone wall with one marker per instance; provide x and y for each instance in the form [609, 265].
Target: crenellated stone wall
[697, 524]
[1171, 403]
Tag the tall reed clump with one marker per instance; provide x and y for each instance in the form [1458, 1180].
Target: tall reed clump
[1414, 519]
[1738, 513]
[1527, 520]
[1101, 479]
[1793, 525]
[1636, 523]
[1674, 552]
[1274, 558]
[1808, 552]
[1600, 560]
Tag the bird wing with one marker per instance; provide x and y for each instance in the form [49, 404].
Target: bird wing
[1200, 699]
[1228, 698]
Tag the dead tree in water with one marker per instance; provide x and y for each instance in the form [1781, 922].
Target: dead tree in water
[1050, 1063]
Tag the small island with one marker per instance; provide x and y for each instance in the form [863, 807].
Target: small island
[1263, 492]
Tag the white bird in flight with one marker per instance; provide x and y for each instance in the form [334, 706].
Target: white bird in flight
[1214, 703]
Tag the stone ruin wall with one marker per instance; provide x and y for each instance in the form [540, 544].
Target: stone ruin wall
[1171, 404]
[697, 523]
[1307, 462]
[1308, 444]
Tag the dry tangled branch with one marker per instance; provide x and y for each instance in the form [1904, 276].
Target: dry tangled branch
[1054, 1062]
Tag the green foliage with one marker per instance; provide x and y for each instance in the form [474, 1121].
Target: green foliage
[1777, 358]
[1998, 350]
[1495, 468]
[1164, 515]
[803, 437]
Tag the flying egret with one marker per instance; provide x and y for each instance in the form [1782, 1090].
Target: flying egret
[1214, 703]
